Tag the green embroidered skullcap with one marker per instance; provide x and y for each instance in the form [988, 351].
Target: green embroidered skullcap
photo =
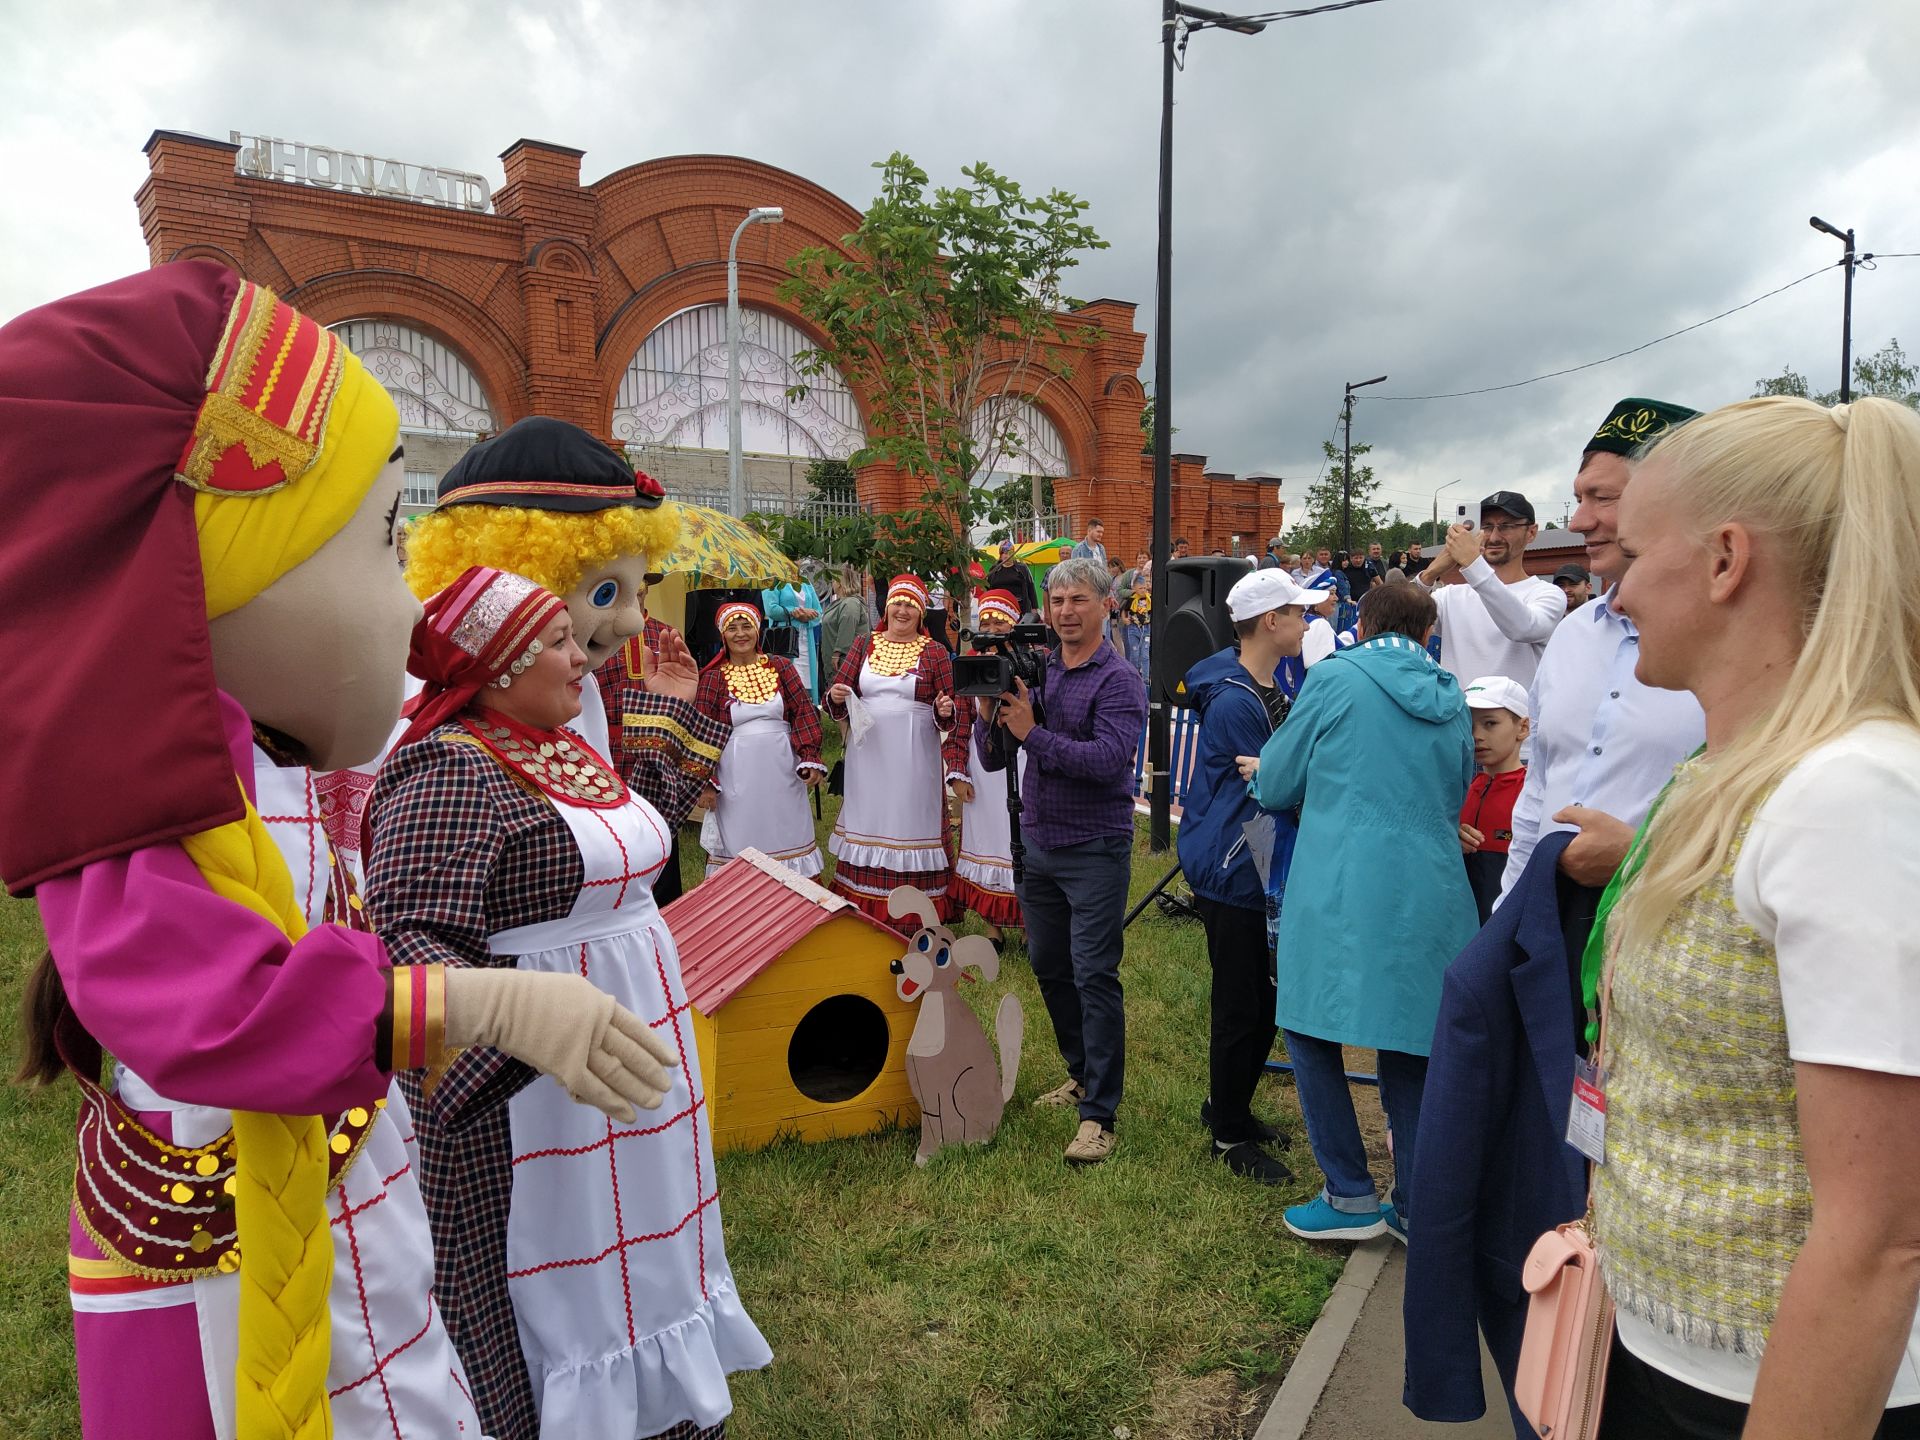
[1633, 424]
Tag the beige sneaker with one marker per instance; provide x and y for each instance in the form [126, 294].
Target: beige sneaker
[1093, 1144]
[1071, 1093]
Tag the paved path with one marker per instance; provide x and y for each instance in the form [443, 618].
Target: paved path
[1345, 1382]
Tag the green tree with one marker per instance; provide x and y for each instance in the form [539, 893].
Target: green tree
[1322, 509]
[1886, 373]
[946, 309]
[833, 480]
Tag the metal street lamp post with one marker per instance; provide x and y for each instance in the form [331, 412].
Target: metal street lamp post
[1436, 502]
[736, 475]
[1850, 260]
[1346, 484]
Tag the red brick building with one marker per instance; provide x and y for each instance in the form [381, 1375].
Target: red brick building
[602, 304]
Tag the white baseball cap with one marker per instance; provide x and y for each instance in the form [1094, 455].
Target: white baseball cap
[1265, 590]
[1497, 692]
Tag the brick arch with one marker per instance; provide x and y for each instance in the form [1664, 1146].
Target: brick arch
[1123, 386]
[1065, 407]
[434, 309]
[561, 257]
[208, 252]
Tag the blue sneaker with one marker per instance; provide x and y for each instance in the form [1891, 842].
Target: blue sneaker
[1318, 1220]
[1396, 1227]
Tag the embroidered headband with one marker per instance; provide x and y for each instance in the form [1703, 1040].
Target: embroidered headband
[1000, 603]
[736, 607]
[908, 587]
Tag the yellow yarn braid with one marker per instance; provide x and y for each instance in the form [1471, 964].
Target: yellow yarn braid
[246, 543]
[280, 1197]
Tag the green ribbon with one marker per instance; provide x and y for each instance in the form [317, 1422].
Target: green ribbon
[1593, 960]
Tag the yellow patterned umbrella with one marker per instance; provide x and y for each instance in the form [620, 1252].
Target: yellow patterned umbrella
[719, 552]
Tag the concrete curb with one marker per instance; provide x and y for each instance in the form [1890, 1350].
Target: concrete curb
[1293, 1406]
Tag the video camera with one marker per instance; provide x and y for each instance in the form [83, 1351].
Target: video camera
[996, 661]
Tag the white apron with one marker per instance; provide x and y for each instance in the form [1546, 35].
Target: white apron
[393, 1371]
[894, 816]
[762, 802]
[627, 1312]
[986, 839]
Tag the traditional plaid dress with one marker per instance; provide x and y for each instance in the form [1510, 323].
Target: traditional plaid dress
[588, 1289]
[663, 748]
[983, 870]
[892, 828]
[776, 734]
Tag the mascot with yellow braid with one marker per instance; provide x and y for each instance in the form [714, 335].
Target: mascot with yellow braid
[198, 575]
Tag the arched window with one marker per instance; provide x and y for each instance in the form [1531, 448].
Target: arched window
[675, 390]
[431, 385]
[1012, 436]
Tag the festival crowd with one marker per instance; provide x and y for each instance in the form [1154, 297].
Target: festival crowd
[1613, 885]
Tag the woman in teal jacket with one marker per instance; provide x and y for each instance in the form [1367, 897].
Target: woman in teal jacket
[797, 607]
[1377, 753]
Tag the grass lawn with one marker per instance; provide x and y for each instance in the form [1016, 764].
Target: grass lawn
[995, 1293]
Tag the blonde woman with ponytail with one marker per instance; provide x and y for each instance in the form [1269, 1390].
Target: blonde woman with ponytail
[1759, 1209]
[202, 601]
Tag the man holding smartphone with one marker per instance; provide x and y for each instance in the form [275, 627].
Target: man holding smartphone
[1499, 621]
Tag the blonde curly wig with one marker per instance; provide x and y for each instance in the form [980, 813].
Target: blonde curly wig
[552, 548]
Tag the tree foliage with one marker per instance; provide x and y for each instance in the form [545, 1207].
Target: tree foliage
[945, 309]
[1887, 373]
[1322, 510]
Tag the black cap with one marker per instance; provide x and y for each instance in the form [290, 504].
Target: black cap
[1511, 501]
[545, 464]
[1573, 574]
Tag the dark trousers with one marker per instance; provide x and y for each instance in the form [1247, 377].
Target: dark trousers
[1242, 1005]
[1074, 899]
[666, 885]
[1646, 1404]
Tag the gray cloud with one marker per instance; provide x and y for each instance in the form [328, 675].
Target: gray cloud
[1454, 192]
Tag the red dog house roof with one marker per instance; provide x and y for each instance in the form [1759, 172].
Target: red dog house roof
[735, 923]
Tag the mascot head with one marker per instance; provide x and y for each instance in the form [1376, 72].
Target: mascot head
[546, 500]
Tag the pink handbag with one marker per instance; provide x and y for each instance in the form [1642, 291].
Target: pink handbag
[1562, 1376]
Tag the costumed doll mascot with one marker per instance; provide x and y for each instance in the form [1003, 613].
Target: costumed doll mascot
[773, 756]
[546, 500]
[983, 880]
[585, 1282]
[212, 479]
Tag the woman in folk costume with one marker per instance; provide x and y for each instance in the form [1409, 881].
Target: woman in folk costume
[546, 500]
[578, 1257]
[983, 870]
[773, 755]
[213, 476]
[797, 607]
[893, 823]
[630, 684]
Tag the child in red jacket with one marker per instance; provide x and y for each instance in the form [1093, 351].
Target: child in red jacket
[1501, 721]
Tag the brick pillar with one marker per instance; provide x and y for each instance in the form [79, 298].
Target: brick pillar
[191, 197]
[556, 216]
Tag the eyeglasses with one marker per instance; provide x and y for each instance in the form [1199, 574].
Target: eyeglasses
[1514, 529]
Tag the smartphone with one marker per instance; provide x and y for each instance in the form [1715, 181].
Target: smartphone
[1461, 512]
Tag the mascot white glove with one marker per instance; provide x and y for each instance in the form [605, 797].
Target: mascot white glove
[601, 1054]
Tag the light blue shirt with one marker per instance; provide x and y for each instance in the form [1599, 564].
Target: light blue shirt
[1600, 737]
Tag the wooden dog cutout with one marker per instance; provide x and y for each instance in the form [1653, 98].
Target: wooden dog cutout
[950, 1065]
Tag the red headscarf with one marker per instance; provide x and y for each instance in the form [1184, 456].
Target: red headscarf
[482, 628]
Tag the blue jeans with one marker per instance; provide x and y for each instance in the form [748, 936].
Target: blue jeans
[1073, 900]
[1326, 1104]
[1135, 638]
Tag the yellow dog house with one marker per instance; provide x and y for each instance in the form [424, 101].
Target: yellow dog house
[799, 1028]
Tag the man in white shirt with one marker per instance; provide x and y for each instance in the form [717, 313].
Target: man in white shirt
[1501, 619]
[1603, 743]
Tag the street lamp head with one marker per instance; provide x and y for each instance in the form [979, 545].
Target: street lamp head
[765, 214]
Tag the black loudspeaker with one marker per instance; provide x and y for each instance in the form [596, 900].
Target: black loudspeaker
[1196, 624]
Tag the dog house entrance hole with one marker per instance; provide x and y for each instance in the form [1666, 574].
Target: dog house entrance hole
[838, 1048]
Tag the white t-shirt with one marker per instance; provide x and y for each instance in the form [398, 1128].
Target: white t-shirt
[1488, 627]
[1828, 876]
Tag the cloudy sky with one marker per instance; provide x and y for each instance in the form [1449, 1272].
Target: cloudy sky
[1456, 193]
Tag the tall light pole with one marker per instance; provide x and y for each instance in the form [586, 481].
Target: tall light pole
[1159, 744]
[1850, 260]
[736, 474]
[1346, 484]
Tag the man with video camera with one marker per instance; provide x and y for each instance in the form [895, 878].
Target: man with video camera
[1080, 728]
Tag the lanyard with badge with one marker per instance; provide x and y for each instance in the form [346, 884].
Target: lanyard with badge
[1587, 1115]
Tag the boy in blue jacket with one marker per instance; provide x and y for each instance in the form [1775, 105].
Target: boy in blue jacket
[1240, 705]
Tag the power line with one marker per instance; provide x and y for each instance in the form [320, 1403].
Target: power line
[1273, 15]
[1618, 355]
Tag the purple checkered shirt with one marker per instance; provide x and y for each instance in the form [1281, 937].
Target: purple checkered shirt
[1079, 783]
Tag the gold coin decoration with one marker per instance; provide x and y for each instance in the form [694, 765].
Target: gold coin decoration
[558, 766]
[754, 683]
[205, 1165]
[181, 1194]
[893, 657]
